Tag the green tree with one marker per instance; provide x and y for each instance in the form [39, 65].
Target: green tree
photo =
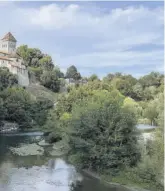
[46, 63]
[152, 79]
[133, 106]
[31, 56]
[109, 77]
[73, 73]
[7, 79]
[58, 72]
[150, 92]
[137, 92]
[124, 83]
[50, 80]
[103, 136]
[17, 104]
[36, 72]
[93, 77]
[39, 110]
[153, 108]
[2, 110]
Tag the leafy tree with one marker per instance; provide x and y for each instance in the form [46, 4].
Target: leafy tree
[93, 77]
[50, 80]
[109, 77]
[7, 79]
[58, 72]
[39, 110]
[31, 56]
[46, 63]
[150, 92]
[153, 108]
[124, 83]
[73, 73]
[152, 79]
[133, 106]
[23, 52]
[103, 136]
[137, 92]
[17, 104]
[2, 110]
[151, 113]
[36, 72]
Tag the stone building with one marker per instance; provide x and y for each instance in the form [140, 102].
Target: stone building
[10, 59]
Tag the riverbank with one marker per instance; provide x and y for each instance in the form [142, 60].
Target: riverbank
[103, 179]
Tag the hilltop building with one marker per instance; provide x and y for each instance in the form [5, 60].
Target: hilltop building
[10, 59]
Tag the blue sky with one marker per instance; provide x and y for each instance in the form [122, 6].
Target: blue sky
[96, 37]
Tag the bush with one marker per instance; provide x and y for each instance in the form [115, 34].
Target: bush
[103, 136]
[53, 137]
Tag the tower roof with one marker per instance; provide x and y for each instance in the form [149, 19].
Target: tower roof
[9, 37]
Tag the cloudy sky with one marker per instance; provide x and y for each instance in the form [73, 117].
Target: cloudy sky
[96, 37]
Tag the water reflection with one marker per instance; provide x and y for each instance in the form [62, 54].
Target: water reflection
[62, 177]
[41, 173]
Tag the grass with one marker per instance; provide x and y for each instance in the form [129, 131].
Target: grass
[129, 180]
[41, 91]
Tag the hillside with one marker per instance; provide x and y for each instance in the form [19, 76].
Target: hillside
[40, 91]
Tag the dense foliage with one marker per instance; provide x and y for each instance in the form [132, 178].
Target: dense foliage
[98, 122]
[17, 105]
[73, 73]
[103, 136]
[7, 79]
[144, 88]
[41, 67]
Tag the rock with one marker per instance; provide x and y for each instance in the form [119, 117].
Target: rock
[59, 149]
[8, 127]
[58, 146]
[28, 149]
[43, 143]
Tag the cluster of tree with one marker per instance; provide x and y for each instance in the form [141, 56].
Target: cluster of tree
[42, 68]
[98, 127]
[149, 171]
[98, 121]
[140, 93]
[144, 88]
[17, 105]
[7, 79]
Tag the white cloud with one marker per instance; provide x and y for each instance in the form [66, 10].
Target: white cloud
[52, 16]
[110, 34]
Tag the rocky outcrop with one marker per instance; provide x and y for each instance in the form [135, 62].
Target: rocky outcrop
[28, 149]
[43, 143]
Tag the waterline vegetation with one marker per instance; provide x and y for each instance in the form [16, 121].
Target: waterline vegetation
[94, 123]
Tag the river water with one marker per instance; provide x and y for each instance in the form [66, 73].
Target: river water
[41, 173]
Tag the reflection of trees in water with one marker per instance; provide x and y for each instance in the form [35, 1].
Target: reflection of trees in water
[52, 165]
[74, 180]
[5, 172]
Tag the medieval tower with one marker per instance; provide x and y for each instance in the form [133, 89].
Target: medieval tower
[10, 59]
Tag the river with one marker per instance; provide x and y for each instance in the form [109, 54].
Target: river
[41, 173]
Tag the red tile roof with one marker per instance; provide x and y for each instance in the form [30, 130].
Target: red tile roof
[9, 37]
